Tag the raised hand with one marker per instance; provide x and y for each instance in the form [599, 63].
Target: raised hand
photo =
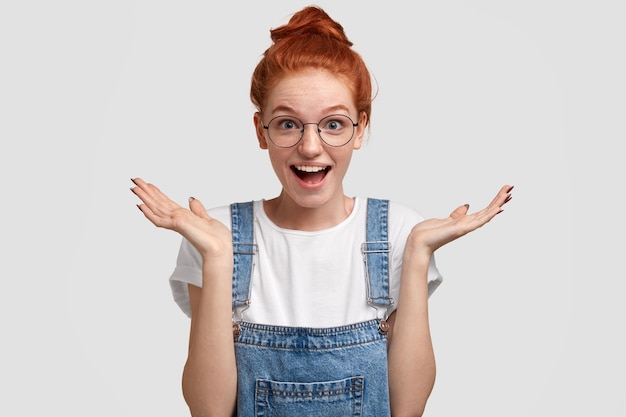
[209, 236]
[430, 235]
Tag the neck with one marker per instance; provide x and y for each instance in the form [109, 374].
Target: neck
[288, 214]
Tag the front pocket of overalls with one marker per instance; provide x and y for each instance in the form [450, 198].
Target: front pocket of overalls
[342, 398]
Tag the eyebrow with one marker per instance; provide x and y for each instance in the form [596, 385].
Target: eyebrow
[291, 110]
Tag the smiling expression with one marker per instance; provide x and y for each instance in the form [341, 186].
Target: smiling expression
[311, 172]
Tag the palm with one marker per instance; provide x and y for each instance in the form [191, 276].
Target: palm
[209, 236]
[432, 234]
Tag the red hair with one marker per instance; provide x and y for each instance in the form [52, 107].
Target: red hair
[311, 39]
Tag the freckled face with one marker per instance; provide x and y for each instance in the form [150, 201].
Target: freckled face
[311, 172]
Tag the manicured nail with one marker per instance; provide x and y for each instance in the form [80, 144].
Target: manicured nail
[466, 205]
[191, 199]
[139, 208]
[133, 180]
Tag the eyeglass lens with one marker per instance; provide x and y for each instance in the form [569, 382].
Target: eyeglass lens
[335, 130]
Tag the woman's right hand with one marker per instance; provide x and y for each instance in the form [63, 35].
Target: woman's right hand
[209, 236]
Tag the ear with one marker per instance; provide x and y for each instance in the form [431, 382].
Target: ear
[260, 130]
[360, 131]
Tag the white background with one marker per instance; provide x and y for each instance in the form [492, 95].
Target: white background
[472, 95]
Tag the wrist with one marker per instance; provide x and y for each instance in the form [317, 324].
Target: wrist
[416, 256]
[218, 254]
[218, 267]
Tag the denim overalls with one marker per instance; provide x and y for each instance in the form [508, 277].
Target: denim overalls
[326, 372]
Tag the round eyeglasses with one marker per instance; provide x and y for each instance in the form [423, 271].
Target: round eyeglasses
[334, 130]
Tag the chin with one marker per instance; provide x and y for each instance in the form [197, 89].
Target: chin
[313, 200]
[310, 201]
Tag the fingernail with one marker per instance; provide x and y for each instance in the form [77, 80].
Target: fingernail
[191, 199]
[139, 208]
[133, 180]
[466, 205]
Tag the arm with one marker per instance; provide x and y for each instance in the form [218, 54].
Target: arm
[210, 374]
[411, 357]
[410, 353]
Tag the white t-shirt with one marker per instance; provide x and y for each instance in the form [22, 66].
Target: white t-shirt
[308, 279]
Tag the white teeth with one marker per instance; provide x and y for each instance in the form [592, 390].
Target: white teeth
[307, 168]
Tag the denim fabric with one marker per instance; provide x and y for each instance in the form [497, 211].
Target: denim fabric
[292, 371]
[337, 398]
[242, 226]
[297, 371]
[376, 253]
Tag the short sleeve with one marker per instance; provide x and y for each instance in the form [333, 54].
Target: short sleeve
[188, 268]
[434, 277]
[401, 221]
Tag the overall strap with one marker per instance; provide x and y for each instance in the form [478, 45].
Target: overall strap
[376, 254]
[244, 249]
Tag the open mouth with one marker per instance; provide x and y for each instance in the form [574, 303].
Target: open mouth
[310, 174]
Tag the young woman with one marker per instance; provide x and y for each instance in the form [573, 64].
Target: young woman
[312, 302]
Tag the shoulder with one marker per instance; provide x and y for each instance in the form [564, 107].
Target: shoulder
[401, 219]
[398, 212]
[223, 213]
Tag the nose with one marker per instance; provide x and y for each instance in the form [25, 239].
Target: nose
[311, 142]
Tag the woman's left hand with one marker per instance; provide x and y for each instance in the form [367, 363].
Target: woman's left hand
[429, 235]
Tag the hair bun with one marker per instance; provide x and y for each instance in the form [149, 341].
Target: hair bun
[310, 21]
